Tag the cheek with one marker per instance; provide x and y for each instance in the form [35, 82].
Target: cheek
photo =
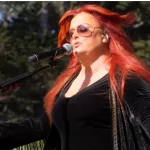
[93, 41]
[97, 40]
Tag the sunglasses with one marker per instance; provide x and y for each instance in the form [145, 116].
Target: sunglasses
[83, 30]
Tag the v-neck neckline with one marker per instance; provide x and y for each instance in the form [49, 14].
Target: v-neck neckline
[84, 89]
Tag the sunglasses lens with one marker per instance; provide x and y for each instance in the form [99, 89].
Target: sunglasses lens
[82, 30]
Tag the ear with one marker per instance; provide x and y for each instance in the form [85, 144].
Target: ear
[105, 38]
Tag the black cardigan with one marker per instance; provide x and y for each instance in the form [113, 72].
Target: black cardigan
[136, 120]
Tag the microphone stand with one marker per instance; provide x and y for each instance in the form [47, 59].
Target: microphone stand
[15, 82]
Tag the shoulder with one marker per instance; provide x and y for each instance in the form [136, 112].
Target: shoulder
[135, 82]
[136, 88]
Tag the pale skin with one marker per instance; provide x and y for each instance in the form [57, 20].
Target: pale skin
[91, 52]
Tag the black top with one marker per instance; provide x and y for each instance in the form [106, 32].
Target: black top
[84, 120]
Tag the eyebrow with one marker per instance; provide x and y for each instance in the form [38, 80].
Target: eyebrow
[79, 25]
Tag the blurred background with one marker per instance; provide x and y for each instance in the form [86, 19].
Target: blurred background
[32, 27]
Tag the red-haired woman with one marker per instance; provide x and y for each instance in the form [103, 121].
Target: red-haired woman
[102, 100]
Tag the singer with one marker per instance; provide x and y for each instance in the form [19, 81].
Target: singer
[102, 99]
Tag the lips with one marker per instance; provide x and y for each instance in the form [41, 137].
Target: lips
[76, 44]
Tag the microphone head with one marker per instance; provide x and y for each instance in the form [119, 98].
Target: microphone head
[68, 48]
[33, 58]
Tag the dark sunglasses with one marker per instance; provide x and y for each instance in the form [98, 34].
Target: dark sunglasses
[83, 30]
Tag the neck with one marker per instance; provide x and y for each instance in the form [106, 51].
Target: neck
[90, 67]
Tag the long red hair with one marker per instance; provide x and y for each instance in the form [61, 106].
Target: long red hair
[121, 52]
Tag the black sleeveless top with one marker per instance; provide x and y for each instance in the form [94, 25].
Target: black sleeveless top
[84, 120]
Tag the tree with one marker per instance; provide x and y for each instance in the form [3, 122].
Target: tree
[32, 27]
[30, 30]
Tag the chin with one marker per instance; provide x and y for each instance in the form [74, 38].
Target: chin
[78, 53]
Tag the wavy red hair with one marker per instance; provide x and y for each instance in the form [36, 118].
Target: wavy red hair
[121, 52]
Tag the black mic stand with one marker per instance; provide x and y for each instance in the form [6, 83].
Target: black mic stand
[15, 82]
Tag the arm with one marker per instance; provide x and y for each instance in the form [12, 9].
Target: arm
[137, 100]
[23, 132]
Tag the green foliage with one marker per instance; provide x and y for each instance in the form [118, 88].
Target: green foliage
[32, 27]
[19, 39]
[142, 48]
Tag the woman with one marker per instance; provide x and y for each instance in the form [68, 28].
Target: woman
[102, 99]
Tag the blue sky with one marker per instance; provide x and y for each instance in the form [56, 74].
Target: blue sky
[1, 15]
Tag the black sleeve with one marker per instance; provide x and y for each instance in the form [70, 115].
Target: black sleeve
[137, 99]
[23, 132]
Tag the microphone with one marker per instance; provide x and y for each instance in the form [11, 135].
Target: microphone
[66, 49]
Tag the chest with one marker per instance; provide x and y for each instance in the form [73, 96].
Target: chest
[80, 84]
[91, 103]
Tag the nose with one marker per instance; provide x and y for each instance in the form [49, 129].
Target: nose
[75, 35]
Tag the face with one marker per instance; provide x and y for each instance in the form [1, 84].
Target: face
[85, 35]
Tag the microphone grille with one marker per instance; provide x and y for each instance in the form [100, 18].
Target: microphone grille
[68, 48]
